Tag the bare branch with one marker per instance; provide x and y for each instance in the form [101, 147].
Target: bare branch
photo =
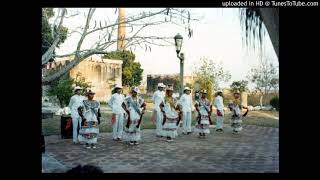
[66, 68]
[90, 14]
[135, 35]
[153, 43]
[54, 23]
[48, 54]
[74, 31]
[77, 58]
[72, 15]
[127, 21]
[145, 19]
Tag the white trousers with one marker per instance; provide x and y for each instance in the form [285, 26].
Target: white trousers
[76, 121]
[118, 126]
[186, 122]
[219, 124]
[159, 123]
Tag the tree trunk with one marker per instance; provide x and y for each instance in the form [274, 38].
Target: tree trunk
[261, 101]
[65, 69]
[270, 18]
[49, 53]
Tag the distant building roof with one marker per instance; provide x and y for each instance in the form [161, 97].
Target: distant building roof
[93, 58]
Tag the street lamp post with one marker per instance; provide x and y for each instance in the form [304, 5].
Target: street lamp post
[178, 39]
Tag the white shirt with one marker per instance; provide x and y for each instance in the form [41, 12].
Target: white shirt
[218, 103]
[115, 103]
[186, 103]
[75, 102]
[157, 98]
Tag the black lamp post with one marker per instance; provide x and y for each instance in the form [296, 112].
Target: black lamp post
[178, 39]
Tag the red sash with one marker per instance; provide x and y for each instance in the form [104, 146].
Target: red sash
[113, 119]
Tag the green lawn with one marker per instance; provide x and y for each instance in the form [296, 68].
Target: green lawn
[260, 118]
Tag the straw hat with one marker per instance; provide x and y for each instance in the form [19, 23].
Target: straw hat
[187, 88]
[118, 87]
[203, 91]
[161, 85]
[90, 92]
[136, 89]
[77, 88]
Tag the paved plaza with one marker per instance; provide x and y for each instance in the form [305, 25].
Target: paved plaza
[256, 149]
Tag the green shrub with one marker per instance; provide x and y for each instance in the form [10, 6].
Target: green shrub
[103, 103]
[63, 88]
[274, 102]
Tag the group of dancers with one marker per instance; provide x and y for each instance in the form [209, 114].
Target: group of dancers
[168, 113]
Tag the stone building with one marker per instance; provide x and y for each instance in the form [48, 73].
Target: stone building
[101, 73]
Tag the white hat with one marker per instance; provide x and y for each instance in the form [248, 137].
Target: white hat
[77, 87]
[136, 89]
[161, 85]
[187, 88]
[118, 86]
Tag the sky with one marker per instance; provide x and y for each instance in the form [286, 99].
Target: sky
[217, 36]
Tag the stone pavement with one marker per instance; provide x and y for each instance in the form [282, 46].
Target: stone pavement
[51, 165]
[256, 149]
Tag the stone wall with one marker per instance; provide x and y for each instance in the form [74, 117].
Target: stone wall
[101, 73]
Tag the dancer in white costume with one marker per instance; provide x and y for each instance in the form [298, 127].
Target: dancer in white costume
[218, 103]
[75, 102]
[171, 111]
[116, 104]
[235, 108]
[90, 114]
[204, 109]
[135, 108]
[186, 104]
[157, 116]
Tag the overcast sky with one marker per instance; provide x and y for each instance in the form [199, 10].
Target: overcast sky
[216, 36]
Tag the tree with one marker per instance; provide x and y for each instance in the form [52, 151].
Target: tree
[52, 35]
[263, 76]
[168, 79]
[239, 85]
[106, 31]
[274, 102]
[275, 84]
[209, 74]
[63, 88]
[251, 21]
[131, 70]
